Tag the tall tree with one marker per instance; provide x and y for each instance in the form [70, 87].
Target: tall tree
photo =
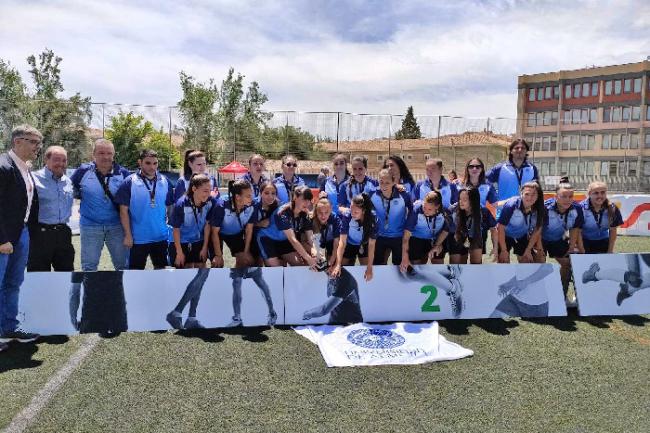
[410, 128]
[13, 101]
[197, 110]
[127, 132]
[62, 121]
[168, 155]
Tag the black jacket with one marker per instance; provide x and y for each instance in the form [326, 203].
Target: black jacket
[13, 201]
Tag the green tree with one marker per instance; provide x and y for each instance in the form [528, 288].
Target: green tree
[197, 111]
[169, 156]
[62, 121]
[13, 101]
[289, 139]
[410, 128]
[127, 132]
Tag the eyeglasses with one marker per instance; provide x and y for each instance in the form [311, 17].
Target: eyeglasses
[32, 141]
[478, 167]
[291, 164]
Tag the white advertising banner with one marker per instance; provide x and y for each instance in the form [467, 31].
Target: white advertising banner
[113, 302]
[612, 284]
[429, 292]
[635, 210]
[362, 344]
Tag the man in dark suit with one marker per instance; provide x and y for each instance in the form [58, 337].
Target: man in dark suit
[19, 206]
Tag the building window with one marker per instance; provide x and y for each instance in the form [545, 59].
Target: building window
[543, 169]
[567, 91]
[531, 94]
[585, 89]
[608, 87]
[576, 90]
[584, 115]
[565, 142]
[636, 113]
[607, 114]
[575, 116]
[574, 143]
[540, 118]
[556, 92]
[537, 144]
[594, 88]
[547, 118]
[617, 87]
[567, 116]
[573, 168]
[380, 158]
[647, 140]
[604, 168]
[426, 156]
[616, 114]
[627, 113]
[625, 141]
[531, 119]
[583, 142]
[634, 141]
[606, 140]
[613, 168]
[553, 144]
[593, 115]
[631, 168]
[553, 117]
[616, 141]
[591, 142]
[647, 114]
[564, 167]
[627, 85]
[548, 93]
[546, 144]
[540, 93]
[409, 157]
[551, 168]
[646, 168]
[637, 85]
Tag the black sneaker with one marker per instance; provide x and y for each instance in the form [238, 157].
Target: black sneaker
[3, 347]
[590, 274]
[622, 294]
[175, 319]
[19, 335]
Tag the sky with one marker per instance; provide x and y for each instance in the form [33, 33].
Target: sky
[459, 58]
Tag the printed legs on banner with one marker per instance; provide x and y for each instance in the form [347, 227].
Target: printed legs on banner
[524, 295]
[445, 279]
[630, 280]
[238, 275]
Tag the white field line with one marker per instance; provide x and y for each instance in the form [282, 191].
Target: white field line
[27, 416]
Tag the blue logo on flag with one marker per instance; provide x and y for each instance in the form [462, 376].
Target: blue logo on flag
[375, 338]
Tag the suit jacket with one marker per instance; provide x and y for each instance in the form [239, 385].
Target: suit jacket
[13, 201]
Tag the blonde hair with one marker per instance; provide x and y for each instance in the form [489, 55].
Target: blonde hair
[385, 172]
[595, 185]
[315, 221]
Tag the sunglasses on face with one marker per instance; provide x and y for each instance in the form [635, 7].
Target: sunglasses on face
[291, 164]
[478, 167]
[32, 141]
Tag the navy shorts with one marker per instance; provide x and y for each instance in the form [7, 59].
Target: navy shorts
[353, 251]
[419, 249]
[556, 248]
[518, 246]
[235, 243]
[599, 246]
[270, 248]
[192, 252]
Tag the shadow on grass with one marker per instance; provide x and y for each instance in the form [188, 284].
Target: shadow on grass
[19, 355]
[569, 323]
[254, 334]
[493, 326]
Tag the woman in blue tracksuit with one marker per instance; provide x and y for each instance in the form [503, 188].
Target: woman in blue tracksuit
[356, 184]
[189, 219]
[330, 189]
[436, 181]
[400, 173]
[469, 221]
[232, 222]
[561, 231]
[288, 180]
[520, 225]
[392, 207]
[194, 163]
[475, 177]
[279, 242]
[255, 175]
[358, 236]
[328, 225]
[600, 220]
[425, 233]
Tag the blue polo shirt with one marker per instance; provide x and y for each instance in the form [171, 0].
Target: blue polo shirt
[285, 188]
[518, 224]
[354, 229]
[448, 191]
[351, 188]
[557, 224]
[97, 207]
[487, 192]
[55, 197]
[256, 186]
[229, 222]
[331, 230]
[391, 213]
[331, 187]
[191, 220]
[597, 224]
[183, 184]
[487, 220]
[509, 179]
[426, 227]
[148, 222]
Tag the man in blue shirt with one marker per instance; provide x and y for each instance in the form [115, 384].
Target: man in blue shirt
[510, 175]
[145, 200]
[50, 240]
[96, 184]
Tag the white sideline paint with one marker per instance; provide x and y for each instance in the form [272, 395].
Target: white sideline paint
[25, 418]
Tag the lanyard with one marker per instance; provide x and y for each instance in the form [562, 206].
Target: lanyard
[385, 203]
[564, 216]
[152, 191]
[237, 215]
[361, 186]
[528, 217]
[194, 211]
[289, 186]
[598, 216]
[519, 172]
[103, 181]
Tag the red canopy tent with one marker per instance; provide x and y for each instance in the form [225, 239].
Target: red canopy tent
[234, 168]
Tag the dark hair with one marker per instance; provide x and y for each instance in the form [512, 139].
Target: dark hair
[148, 153]
[516, 142]
[345, 158]
[481, 177]
[452, 171]
[254, 156]
[563, 185]
[363, 201]
[263, 186]
[475, 212]
[236, 187]
[352, 180]
[437, 161]
[196, 181]
[433, 197]
[190, 156]
[538, 206]
[404, 172]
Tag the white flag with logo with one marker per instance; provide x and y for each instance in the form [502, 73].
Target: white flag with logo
[397, 343]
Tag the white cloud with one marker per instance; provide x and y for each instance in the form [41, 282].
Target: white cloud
[458, 59]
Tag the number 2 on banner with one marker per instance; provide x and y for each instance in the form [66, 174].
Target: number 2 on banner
[428, 306]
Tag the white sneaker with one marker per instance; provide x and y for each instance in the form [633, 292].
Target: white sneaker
[236, 321]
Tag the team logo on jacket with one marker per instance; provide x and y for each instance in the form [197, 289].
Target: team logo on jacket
[375, 338]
